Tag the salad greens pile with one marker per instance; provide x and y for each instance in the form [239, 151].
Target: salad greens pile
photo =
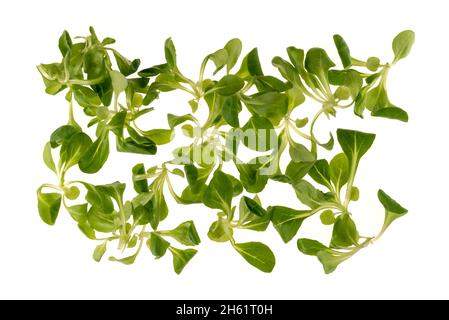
[115, 92]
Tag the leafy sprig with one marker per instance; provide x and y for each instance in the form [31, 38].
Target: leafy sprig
[114, 94]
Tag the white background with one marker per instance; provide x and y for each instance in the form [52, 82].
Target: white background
[409, 161]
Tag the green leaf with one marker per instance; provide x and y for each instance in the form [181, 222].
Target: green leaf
[320, 172]
[143, 214]
[99, 251]
[87, 230]
[219, 58]
[331, 260]
[270, 83]
[271, 105]
[402, 44]
[117, 123]
[249, 219]
[101, 221]
[185, 234]
[354, 144]
[233, 47]
[287, 71]
[311, 247]
[219, 192]
[96, 156]
[86, 97]
[237, 187]
[327, 217]
[65, 43]
[98, 198]
[62, 135]
[250, 65]
[259, 134]
[48, 158]
[231, 107]
[94, 63]
[391, 113]
[287, 221]
[257, 254]
[301, 123]
[345, 233]
[181, 258]
[78, 212]
[343, 50]
[160, 208]
[174, 120]
[140, 185]
[297, 170]
[136, 143]
[348, 79]
[157, 245]
[126, 66]
[220, 231]
[393, 210]
[318, 62]
[355, 193]
[309, 195]
[339, 170]
[119, 82]
[154, 70]
[229, 85]
[299, 153]
[74, 149]
[48, 206]
[250, 175]
[159, 136]
[170, 53]
[126, 261]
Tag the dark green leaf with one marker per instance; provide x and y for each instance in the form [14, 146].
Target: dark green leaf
[126, 66]
[254, 207]
[343, 50]
[62, 135]
[354, 144]
[250, 65]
